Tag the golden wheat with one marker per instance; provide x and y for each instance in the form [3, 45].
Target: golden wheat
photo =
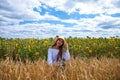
[75, 69]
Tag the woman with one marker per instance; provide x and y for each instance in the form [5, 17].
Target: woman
[56, 54]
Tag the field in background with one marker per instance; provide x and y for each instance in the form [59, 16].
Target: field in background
[92, 59]
[34, 49]
[76, 69]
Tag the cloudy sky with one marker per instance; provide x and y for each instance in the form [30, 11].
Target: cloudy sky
[48, 18]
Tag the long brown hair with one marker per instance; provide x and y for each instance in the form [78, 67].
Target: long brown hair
[59, 56]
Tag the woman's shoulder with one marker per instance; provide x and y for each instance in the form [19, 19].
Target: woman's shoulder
[51, 48]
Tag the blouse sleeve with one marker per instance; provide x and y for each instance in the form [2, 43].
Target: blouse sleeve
[66, 55]
[49, 59]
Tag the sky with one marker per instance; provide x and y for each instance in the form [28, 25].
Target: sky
[48, 18]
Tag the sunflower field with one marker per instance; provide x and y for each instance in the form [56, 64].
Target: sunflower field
[33, 49]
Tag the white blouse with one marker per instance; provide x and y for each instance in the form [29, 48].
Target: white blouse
[52, 55]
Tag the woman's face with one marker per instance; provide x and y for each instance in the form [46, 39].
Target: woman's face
[60, 42]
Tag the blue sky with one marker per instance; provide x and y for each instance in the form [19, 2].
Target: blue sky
[48, 18]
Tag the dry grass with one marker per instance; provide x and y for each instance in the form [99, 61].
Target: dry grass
[76, 69]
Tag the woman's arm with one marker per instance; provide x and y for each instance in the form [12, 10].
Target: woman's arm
[49, 57]
[66, 54]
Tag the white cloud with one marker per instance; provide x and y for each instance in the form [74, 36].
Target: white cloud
[31, 30]
[13, 11]
[104, 24]
[85, 6]
[17, 10]
[84, 27]
[48, 17]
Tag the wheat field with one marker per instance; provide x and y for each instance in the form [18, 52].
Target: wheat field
[75, 69]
